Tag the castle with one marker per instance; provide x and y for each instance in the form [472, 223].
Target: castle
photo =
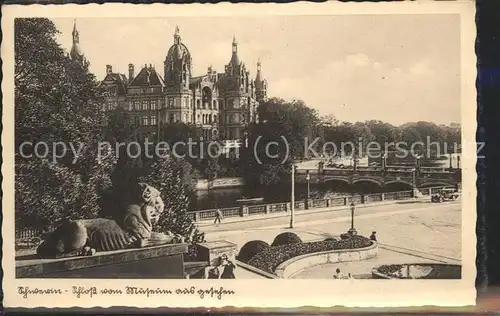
[221, 104]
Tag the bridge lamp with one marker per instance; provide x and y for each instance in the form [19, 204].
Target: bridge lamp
[308, 179]
[352, 230]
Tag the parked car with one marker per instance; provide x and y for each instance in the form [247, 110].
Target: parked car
[445, 195]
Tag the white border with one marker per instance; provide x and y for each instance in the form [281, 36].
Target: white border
[254, 293]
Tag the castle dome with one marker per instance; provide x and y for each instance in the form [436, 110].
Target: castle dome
[178, 50]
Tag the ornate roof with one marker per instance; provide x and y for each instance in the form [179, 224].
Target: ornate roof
[147, 77]
[120, 80]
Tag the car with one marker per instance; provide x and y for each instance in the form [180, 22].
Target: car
[445, 195]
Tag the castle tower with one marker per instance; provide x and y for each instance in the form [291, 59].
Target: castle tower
[177, 77]
[76, 52]
[260, 84]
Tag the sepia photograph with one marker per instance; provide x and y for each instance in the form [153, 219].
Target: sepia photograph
[333, 146]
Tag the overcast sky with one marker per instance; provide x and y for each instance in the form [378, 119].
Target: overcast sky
[395, 68]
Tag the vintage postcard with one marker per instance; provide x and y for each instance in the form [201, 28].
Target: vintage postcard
[295, 154]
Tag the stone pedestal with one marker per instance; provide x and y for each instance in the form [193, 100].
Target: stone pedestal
[213, 250]
[159, 262]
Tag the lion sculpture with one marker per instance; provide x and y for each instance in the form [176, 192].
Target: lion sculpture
[132, 227]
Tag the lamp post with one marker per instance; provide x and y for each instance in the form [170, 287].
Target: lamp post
[352, 230]
[292, 204]
[308, 178]
[414, 181]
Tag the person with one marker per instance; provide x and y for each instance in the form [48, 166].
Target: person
[227, 268]
[218, 216]
[338, 274]
[213, 273]
[373, 236]
[349, 276]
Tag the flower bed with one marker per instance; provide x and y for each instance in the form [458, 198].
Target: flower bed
[418, 271]
[271, 258]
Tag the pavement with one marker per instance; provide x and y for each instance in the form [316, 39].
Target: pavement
[407, 233]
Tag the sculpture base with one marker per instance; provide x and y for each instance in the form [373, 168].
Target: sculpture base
[159, 262]
[352, 232]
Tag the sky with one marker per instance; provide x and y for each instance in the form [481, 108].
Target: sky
[394, 68]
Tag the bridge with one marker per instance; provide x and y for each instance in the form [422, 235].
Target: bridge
[414, 177]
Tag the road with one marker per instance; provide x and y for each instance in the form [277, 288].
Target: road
[417, 226]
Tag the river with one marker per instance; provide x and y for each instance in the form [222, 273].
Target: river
[226, 197]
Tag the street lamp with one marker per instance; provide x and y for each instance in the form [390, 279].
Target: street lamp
[308, 178]
[352, 230]
[414, 181]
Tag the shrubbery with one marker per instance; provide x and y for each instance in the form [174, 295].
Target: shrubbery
[251, 248]
[286, 239]
[330, 239]
[439, 271]
[269, 259]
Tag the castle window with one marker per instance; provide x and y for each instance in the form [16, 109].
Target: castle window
[137, 105]
[144, 105]
[110, 106]
[215, 105]
[145, 120]
[198, 104]
[215, 118]
[198, 119]
[171, 118]
[153, 104]
[153, 120]
[171, 103]
[137, 121]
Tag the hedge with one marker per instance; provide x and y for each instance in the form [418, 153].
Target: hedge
[268, 260]
[439, 271]
[250, 249]
[285, 239]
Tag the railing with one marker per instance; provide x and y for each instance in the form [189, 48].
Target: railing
[27, 234]
[283, 207]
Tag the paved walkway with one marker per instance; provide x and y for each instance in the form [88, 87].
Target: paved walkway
[408, 233]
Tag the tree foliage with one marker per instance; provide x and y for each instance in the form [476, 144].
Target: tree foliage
[56, 101]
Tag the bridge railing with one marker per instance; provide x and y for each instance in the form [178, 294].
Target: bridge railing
[283, 207]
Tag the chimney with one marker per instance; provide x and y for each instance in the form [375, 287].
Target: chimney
[109, 69]
[130, 72]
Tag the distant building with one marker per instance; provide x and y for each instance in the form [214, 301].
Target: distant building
[221, 104]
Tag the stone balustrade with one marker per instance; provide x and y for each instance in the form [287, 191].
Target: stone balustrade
[265, 209]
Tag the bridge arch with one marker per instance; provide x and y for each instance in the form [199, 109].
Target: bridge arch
[370, 180]
[436, 184]
[398, 182]
[337, 179]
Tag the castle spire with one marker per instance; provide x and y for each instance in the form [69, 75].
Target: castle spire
[177, 37]
[260, 84]
[235, 61]
[76, 52]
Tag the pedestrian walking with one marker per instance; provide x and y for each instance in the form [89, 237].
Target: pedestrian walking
[373, 236]
[218, 216]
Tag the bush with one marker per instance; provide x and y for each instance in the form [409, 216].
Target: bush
[345, 236]
[269, 259]
[251, 248]
[330, 239]
[286, 239]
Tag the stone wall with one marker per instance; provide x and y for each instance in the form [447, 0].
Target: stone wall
[291, 267]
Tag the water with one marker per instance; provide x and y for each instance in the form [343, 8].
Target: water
[226, 197]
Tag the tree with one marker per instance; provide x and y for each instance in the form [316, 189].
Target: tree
[57, 100]
[287, 124]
